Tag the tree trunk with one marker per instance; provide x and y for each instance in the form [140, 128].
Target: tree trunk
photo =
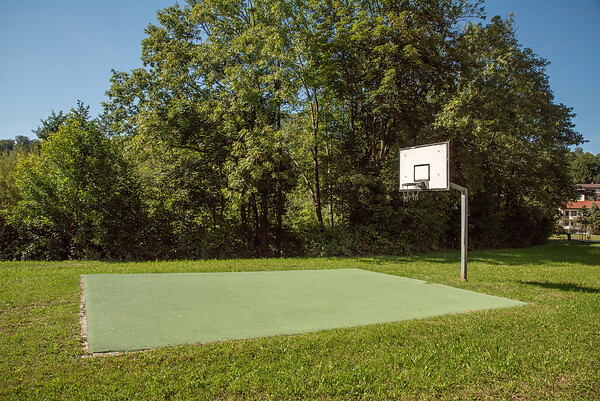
[256, 222]
[279, 208]
[314, 108]
[317, 199]
[244, 219]
[329, 186]
[264, 225]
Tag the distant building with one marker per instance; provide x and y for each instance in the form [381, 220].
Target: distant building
[572, 212]
[588, 194]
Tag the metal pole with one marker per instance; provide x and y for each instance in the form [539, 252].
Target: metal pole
[464, 244]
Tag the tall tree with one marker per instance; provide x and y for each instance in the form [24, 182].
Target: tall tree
[9, 193]
[214, 84]
[240, 91]
[509, 139]
[384, 63]
[585, 167]
[80, 199]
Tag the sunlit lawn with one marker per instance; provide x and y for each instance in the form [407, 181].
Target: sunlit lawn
[547, 350]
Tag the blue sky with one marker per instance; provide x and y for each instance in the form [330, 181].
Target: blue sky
[53, 53]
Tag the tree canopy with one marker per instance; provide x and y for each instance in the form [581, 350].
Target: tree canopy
[260, 128]
[78, 196]
[585, 167]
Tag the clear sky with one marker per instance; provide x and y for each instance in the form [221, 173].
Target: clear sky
[53, 53]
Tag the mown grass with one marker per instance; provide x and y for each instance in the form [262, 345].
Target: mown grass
[547, 350]
[578, 237]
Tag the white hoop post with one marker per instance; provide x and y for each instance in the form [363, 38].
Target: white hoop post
[464, 244]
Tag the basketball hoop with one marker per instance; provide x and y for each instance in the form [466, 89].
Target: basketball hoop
[425, 168]
[411, 190]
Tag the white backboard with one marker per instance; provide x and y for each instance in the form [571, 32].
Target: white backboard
[424, 167]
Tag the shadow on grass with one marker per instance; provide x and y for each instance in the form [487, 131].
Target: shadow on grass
[563, 287]
[555, 251]
[552, 252]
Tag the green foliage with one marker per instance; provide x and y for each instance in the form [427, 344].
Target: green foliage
[589, 219]
[186, 216]
[9, 193]
[6, 145]
[272, 128]
[509, 140]
[79, 197]
[10, 239]
[584, 167]
[50, 125]
[594, 219]
[20, 144]
[196, 61]
[263, 97]
[10, 235]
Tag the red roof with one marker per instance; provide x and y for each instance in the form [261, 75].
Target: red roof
[581, 204]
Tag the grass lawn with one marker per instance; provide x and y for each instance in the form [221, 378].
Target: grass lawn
[578, 237]
[547, 350]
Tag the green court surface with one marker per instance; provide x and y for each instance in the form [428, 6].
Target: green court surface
[126, 312]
